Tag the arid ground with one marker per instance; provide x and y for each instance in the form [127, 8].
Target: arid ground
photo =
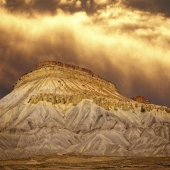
[52, 162]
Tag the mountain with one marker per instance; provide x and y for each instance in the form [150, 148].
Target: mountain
[65, 109]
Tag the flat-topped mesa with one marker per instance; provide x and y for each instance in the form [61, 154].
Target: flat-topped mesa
[69, 71]
[56, 77]
[53, 63]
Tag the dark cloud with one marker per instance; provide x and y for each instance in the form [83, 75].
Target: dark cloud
[90, 6]
[153, 6]
[52, 5]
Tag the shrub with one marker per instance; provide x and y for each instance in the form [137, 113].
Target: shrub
[142, 109]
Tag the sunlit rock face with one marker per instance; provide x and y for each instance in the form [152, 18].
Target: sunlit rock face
[60, 108]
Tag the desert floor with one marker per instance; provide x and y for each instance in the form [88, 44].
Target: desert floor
[52, 162]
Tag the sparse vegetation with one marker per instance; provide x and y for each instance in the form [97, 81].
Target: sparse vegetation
[142, 109]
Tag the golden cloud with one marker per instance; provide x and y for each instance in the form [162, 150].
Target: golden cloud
[128, 48]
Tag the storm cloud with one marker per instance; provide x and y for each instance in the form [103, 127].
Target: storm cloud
[121, 42]
[153, 6]
[90, 6]
[52, 5]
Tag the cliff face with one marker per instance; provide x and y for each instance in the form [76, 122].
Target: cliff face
[58, 108]
[54, 63]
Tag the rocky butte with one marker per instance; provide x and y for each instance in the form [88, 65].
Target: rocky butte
[141, 99]
[63, 109]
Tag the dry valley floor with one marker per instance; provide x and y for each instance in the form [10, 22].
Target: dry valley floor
[52, 162]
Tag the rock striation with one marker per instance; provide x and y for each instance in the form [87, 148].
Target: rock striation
[66, 72]
[59, 108]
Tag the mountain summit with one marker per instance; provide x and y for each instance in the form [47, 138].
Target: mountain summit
[56, 83]
[60, 108]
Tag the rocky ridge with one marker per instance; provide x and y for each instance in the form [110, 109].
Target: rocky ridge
[58, 108]
[141, 99]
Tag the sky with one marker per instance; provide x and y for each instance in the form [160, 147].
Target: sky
[123, 41]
